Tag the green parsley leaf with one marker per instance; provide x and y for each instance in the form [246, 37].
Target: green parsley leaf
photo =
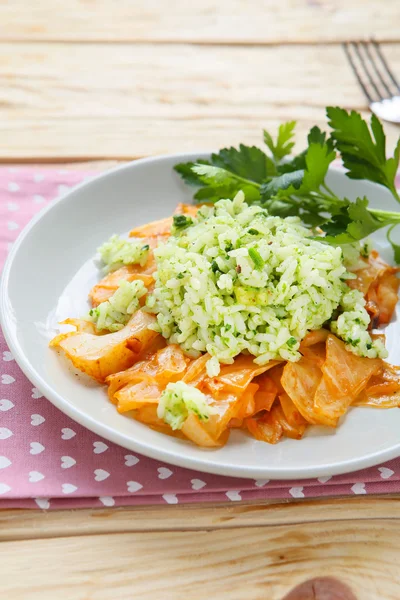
[284, 142]
[316, 136]
[312, 218]
[363, 149]
[363, 221]
[356, 221]
[229, 171]
[211, 193]
[225, 184]
[283, 207]
[188, 175]
[248, 162]
[215, 175]
[297, 163]
[352, 223]
[297, 187]
[317, 160]
[278, 185]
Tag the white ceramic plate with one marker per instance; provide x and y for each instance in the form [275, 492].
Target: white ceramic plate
[46, 279]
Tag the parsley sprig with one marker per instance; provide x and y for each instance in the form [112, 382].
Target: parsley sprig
[288, 185]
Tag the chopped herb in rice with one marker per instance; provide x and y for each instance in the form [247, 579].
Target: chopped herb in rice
[114, 313]
[262, 295]
[178, 400]
[118, 252]
[180, 222]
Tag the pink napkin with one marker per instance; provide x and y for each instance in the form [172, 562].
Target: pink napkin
[49, 461]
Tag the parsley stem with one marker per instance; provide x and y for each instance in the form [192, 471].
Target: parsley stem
[247, 181]
[234, 176]
[331, 200]
[328, 189]
[393, 217]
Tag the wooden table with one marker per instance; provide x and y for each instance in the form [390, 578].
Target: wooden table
[106, 80]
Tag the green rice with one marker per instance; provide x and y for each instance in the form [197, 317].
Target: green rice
[236, 279]
[351, 326]
[178, 400]
[118, 252]
[114, 313]
[353, 255]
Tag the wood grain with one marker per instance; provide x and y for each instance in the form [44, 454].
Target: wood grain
[124, 101]
[29, 524]
[106, 79]
[222, 22]
[247, 564]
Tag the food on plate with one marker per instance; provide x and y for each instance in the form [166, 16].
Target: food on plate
[256, 309]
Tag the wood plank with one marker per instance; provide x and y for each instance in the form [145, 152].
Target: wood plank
[75, 165]
[34, 524]
[124, 101]
[249, 564]
[63, 140]
[222, 22]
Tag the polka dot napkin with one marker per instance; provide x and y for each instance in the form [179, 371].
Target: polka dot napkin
[49, 461]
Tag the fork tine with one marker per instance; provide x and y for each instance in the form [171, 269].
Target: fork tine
[367, 72]
[385, 65]
[372, 60]
[346, 48]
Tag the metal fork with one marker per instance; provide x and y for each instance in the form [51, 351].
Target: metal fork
[376, 79]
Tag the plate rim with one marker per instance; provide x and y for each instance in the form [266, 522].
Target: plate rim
[203, 463]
